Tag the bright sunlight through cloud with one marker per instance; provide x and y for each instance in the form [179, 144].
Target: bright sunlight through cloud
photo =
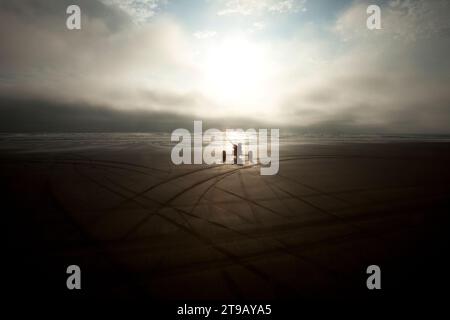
[238, 73]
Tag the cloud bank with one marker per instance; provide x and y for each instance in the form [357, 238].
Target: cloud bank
[134, 58]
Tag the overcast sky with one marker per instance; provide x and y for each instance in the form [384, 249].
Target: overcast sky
[156, 64]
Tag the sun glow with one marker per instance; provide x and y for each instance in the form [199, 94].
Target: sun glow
[237, 74]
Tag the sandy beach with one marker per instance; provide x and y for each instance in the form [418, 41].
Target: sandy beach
[141, 227]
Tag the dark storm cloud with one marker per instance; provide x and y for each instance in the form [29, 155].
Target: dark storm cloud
[27, 115]
[37, 115]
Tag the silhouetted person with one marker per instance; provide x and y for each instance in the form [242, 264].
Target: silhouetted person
[235, 149]
[224, 156]
[239, 154]
[250, 156]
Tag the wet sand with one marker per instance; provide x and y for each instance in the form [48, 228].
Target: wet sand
[140, 227]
